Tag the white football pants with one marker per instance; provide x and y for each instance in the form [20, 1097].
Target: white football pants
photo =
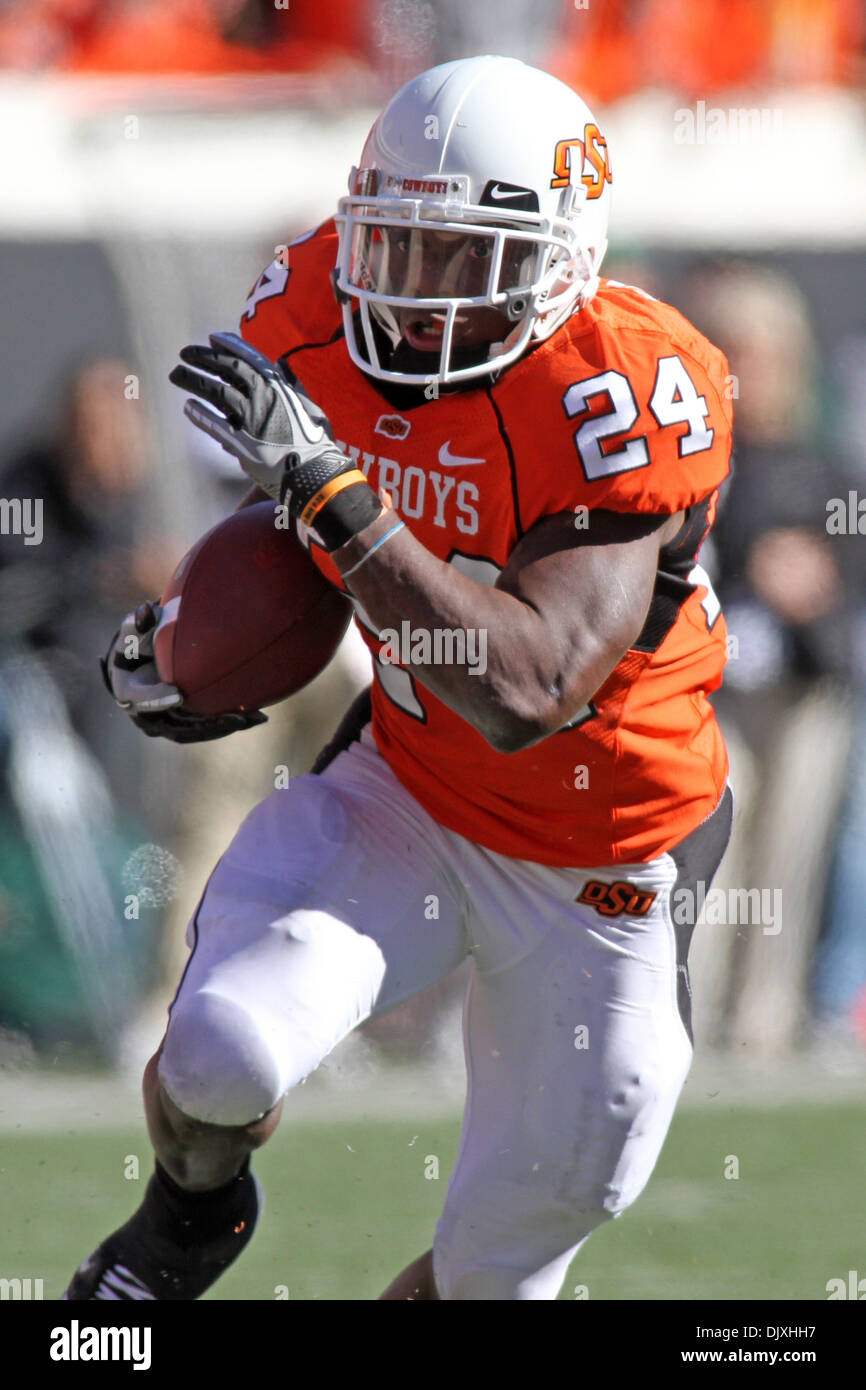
[340, 897]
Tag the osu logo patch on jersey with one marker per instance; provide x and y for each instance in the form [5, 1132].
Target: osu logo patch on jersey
[394, 426]
[613, 899]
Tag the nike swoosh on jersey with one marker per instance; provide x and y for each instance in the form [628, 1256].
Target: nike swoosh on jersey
[450, 460]
[494, 192]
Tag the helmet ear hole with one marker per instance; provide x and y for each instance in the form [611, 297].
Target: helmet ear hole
[517, 304]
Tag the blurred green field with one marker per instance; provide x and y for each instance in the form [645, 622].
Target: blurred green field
[348, 1204]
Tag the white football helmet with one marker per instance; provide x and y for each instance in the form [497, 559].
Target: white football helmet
[476, 222]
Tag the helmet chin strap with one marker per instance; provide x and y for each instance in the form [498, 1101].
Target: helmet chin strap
[589, 291]
[384, 317]
[547, 323]
[499, 349]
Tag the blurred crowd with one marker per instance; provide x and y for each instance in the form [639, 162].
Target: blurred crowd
[793, 704]
[104, 37]
[606, 50]
[96, 822]
[714, 46]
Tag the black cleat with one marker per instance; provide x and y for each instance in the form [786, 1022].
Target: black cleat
[175, 1246]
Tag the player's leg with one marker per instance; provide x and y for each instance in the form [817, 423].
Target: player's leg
[414, 1284]
[313, 921]
[576, 1053]
[196, 1155]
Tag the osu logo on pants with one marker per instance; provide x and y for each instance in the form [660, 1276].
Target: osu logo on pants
[612, 899]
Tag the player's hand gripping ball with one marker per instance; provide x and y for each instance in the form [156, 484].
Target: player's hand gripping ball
[247, 618]
[132, 677]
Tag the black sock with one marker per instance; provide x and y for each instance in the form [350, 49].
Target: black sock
[195, 1219]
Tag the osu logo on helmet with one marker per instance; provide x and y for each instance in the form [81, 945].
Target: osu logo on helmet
[613, 899]
[592, 150]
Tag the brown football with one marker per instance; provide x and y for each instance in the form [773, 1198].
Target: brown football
[248, 618]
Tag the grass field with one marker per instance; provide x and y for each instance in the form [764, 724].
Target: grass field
[348, 1204]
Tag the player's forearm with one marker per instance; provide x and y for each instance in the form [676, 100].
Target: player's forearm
[509, 686]
[411, 585]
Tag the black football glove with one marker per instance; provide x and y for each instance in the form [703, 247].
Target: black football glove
[131, 678]
[268, 421]
[281, 438]
[182, 726]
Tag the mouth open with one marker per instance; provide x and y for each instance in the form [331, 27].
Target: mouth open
[425, 334]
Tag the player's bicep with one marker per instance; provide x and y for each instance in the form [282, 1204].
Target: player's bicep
[591, 588]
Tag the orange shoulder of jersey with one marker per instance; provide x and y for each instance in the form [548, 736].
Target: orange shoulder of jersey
[629, 410]
[284, 310]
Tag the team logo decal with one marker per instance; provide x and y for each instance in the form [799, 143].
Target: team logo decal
[613, 899]
[394, 426]
[407, 185]
[573, 155]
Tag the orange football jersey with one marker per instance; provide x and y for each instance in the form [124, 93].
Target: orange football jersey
[625, 407]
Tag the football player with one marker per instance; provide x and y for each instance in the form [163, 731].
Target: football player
[508, 465]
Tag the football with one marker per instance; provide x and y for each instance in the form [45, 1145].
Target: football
[247, 618]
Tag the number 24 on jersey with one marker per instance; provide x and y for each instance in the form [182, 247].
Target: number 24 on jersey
[674, 401]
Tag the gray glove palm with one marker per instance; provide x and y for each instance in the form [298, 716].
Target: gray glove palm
[129, 668]
[130, 675]
[268, 422]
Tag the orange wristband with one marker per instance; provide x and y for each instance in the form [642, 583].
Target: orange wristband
[329, 490]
